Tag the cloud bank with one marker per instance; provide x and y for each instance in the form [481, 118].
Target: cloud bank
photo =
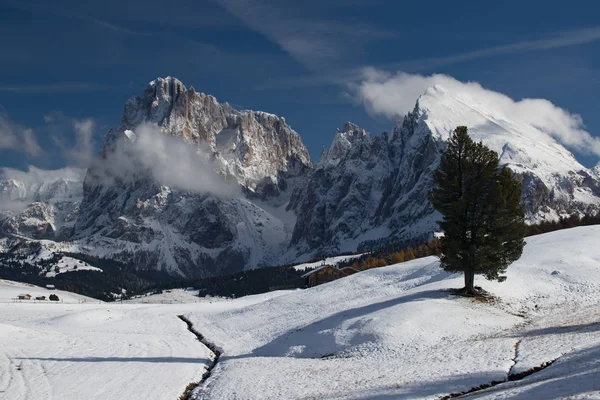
[394, 95]
[15, 201]
[35, 175]
[168, 160]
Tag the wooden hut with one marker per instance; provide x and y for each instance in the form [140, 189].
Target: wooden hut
[24, 297]
[323, 274]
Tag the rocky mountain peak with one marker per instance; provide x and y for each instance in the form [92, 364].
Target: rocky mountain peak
[249, 146]
[350, 139]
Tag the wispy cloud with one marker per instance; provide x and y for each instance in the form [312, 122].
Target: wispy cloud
[394, 95]
[313, 42]
[35, 175]
[14, 136]
[554, 41]
[30, 143]
[55, 87]
[81, 151]
[149, 151]
[353, 73]
[108, 25]
[47, 8]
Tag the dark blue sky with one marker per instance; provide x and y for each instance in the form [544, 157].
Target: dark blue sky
[66, 61]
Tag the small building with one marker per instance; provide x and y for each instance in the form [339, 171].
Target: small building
[24, 297]
[50, 287]
[323, 274]
[40, 298]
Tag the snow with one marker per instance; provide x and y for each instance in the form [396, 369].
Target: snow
[522, 146]
[101, 350]
[328, 261]
[388, 333]
[9, 291]
[396, 332]
[69, 264]
[169, 296]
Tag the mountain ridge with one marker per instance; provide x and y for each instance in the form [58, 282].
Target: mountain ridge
[364, 188]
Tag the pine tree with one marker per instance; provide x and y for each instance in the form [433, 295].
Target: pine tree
[483, 219]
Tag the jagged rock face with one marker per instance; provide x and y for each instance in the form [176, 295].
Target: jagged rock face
[250, 146]
[140, 220]
[368, 188]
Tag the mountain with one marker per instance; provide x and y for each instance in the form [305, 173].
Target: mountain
[40, 204]
[368, 188]
[190, 186]
[142, 217]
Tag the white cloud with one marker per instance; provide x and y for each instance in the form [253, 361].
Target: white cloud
[82, 152]
[14, 136]
[168, 160]
[8, 139]
[555, 41]
[56, 87]
[394, 95]
[30, 143]
[35, 175]
[315, 43]
[17, 201]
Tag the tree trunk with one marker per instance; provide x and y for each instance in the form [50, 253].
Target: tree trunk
[469, 282]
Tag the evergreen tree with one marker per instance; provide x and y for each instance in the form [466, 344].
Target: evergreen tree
[483, 219]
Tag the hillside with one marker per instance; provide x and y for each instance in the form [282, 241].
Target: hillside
[396, 332]
[10, 290]
[388, 333]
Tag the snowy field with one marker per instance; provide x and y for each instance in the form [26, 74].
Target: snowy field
[388, 333]
[168, 297]
[397, 333]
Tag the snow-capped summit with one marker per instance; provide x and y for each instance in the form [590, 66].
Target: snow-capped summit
[524, 147]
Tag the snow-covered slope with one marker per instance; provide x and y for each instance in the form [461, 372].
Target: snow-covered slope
[387, 333]
[397, 333]
[368, 188]
[85, 349]
[9, 291]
